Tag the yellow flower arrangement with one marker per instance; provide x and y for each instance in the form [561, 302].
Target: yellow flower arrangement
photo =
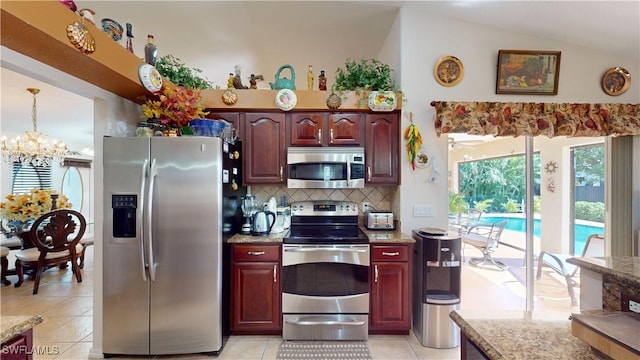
[20, 210]
[176, 105]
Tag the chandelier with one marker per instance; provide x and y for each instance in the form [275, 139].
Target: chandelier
[33, 147]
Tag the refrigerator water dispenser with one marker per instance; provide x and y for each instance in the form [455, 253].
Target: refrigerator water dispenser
[124, 215]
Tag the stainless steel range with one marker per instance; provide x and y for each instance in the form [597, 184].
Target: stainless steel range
[325, 264]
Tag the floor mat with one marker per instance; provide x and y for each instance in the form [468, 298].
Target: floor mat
[320, 350]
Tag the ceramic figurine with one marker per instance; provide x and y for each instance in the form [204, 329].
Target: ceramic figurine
[129, 37]
[87, 14]
[70, 4]
[237, 80]
[253, 84]
[310, 78]
[322, 81]
[230, 81]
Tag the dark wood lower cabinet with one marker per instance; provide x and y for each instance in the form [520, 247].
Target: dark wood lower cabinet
[390, 309]
[256, 290]
[20, 347]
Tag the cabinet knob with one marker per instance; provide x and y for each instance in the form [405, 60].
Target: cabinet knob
[390, 253]
[255, 253]
[281, 171]
[319, 136]
[368, 173]
[331, 136]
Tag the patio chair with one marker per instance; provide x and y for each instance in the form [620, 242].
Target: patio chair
[460, 223]
[486, 238]
[594, 247]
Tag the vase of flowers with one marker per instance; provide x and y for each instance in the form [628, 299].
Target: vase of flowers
[21, 210]
[174, 107]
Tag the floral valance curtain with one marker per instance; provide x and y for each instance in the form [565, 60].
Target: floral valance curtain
[550, 119]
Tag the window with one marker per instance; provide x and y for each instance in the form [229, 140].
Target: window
[26, 177]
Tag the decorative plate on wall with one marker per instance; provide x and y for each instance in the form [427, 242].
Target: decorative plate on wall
[150, 78]
[286, 99]
[448, 71]
[616, 81]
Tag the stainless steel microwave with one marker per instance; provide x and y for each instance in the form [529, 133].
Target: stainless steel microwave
[325, 167]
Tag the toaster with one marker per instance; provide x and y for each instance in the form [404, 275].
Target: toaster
[379, 220]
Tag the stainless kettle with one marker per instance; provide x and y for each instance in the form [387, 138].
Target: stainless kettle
[261, 224]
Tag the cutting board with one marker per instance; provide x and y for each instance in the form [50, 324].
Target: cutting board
[616, 335]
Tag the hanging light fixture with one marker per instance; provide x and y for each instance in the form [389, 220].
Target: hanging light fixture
[33, 147]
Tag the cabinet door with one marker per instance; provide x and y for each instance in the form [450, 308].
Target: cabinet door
[255, 300]
[307, 129]
[382, 148]
[344, 129]
[264, 148]
[390, 303]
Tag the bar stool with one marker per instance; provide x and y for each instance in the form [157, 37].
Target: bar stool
[4, 266]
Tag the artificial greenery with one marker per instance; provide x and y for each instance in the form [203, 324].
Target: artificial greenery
[178, 73]
[364, 75]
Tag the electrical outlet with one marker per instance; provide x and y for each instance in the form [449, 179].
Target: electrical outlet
[365, 206]
[634, 306]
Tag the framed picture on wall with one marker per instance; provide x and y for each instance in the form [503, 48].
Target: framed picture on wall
[530, 72]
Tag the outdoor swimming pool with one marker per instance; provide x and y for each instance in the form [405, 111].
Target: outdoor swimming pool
[582, 231]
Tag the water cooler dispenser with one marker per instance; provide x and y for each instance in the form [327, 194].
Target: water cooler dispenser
[436, 284]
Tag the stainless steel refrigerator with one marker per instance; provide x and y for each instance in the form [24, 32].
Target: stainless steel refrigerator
[170, 203]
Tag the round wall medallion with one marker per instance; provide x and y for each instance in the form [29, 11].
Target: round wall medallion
[229, 97]
[81, 38]
[448, 71]
[150, 78]
[616, 81]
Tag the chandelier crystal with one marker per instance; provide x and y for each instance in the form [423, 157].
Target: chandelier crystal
[33, 146]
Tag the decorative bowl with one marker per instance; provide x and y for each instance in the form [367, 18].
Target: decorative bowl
[207, 127]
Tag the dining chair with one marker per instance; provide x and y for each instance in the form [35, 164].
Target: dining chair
[594, 247]
[56, 237]
[4, 266]
[486, 238]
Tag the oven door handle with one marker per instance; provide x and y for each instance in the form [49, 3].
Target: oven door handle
[306, 249]
[346, 323]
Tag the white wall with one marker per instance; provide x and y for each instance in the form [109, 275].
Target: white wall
[425, 39]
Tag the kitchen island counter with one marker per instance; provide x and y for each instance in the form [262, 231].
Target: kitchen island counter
[516, 334]
[16, 325]
[608, 283]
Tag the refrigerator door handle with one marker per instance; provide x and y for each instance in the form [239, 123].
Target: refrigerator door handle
[143, 183]
[153, 171]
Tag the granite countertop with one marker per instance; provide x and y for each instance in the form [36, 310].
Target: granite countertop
[15, 325]
[622, 267]
[375, 236]
[516, 334]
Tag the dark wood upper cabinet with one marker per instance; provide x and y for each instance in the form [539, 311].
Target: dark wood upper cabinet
[264, 148]
[326, 129]
[382, 148]
[307, 129]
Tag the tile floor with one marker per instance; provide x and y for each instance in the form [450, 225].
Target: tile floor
[66, 332]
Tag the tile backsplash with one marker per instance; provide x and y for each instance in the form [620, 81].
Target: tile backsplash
[378, 197]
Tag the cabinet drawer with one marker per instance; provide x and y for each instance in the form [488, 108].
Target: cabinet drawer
[389, 253]
[256, 252]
